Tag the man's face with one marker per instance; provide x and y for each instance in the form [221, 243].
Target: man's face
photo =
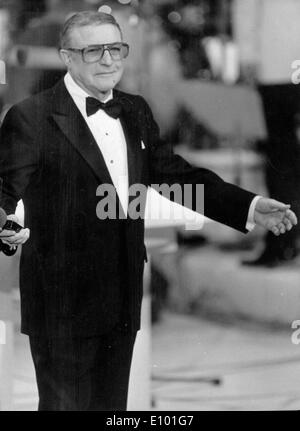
[102, 76]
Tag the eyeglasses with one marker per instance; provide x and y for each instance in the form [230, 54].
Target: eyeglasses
[94, 53]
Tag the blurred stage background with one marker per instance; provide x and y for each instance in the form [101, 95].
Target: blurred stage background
[221, 333]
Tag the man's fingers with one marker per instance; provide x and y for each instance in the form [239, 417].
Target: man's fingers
[287, 223]
[21, 240]
[22, 236]
[281, 227]
[275, 216]
[275, 230]
[7, 233]
[291, 216]
[278, 206]
[17, 238]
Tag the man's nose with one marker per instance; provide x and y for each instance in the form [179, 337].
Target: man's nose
[106, 58]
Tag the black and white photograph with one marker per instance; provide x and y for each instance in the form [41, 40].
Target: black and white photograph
[149, 208]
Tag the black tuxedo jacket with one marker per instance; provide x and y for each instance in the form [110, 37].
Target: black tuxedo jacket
[79, 275]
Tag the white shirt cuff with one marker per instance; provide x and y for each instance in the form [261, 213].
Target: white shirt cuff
[250, 225]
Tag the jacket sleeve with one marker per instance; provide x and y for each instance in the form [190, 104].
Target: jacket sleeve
[18, 158]
[223, 202]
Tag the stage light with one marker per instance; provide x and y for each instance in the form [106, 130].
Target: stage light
[174, 17]
[133, 20]
[105, 9]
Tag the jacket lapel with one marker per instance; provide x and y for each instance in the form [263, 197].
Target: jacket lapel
[72, 125]
[133, 139]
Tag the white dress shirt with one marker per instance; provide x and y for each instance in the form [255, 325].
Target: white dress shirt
[109, 135]
[250, 225]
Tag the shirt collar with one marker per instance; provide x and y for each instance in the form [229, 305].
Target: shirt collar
[76, 91]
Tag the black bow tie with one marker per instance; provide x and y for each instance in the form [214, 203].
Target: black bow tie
[113, 107]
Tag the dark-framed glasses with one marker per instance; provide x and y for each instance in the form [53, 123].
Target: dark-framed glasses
[94, 53]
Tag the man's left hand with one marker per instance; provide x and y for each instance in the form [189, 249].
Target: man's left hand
[13, 238]
[274, 216]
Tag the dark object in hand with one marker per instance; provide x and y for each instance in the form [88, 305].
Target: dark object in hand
[5, 248]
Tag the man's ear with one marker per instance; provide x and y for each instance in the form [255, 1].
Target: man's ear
[65, 56]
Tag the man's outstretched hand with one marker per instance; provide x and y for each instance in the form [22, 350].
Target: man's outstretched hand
[274, 216]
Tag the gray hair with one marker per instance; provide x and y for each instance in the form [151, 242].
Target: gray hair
[81, 19]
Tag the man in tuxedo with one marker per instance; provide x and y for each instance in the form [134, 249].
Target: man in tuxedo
[81, 275]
